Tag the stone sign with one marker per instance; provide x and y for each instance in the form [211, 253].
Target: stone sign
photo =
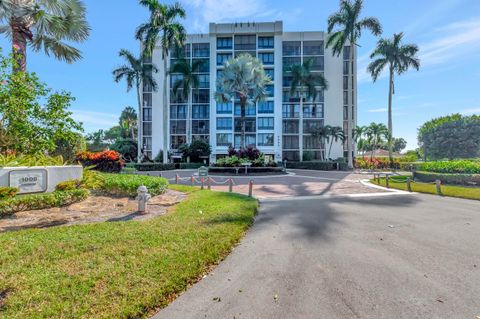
[203, 171]
[29, 181]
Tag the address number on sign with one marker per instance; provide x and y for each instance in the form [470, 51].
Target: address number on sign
[29, 181]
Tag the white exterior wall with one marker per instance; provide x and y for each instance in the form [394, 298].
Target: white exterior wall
[333, 71]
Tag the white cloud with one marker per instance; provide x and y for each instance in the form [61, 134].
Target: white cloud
[471, 111]
[205, 11]
[93, 121]
[379, 110]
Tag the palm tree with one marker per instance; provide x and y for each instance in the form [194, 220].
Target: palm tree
[244, 79]
[136, 72]
[305, 82]
[47, 25]
[189, 80]
[350, 29]
[129, 120]
[375, 133]
[162, 27]
[399, 58]
[336, 133]
[323, 134]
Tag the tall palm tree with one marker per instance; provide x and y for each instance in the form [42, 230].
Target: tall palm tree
[305, 82]
[136, 72]
[164, 28]
[189, 80]
[129, 121]
[336, 134]
[350, 27]
[244, 79]
[398, 58]
[47, 25]
[323, 134]
[375, 134]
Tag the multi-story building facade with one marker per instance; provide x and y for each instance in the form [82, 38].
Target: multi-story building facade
[280, 126]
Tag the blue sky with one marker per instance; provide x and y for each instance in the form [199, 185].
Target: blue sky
[447, 32]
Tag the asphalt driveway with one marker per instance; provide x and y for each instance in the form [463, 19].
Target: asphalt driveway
[396, 256]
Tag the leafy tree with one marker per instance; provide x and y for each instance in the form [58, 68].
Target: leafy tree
[47, 25]
[399, 144]
[126, 147]
[136, 71]
[162, 27]
[375, 133]
[350, 27]
[452, 136]
[129, 121]
[244, 79]
[189, 80]
[96, 141]
[197, 150]
[68, 148]
[32, 117]
[398, 58]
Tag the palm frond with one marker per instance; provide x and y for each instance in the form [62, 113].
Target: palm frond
[57, 48]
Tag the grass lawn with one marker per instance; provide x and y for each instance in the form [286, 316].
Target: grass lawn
[118, 270]
[447, 190]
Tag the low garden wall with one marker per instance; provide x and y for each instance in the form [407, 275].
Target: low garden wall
[321, 166]
[38, 179]
[459, 179]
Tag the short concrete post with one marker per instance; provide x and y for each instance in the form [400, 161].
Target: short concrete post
[250, 188]
[142, 197]
[209, 183]
[203, 183]
[192, 180]
[438, 185]
[230, 185]
[177, 178]
[409, 184]
[387, 181]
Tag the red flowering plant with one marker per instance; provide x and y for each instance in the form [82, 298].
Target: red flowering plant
[376, 163]
[106, 161]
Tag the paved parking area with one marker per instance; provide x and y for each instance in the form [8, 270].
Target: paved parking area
[295, 183]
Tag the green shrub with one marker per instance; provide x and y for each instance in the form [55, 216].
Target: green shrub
[191, 165]
[41, 201]
[458, 166]
[12, 160]
[145, 167]
[7, 192]
[376, 163]
[128, 170]
[317, 165]
[459, 179]
[127, 185]
[68, 185]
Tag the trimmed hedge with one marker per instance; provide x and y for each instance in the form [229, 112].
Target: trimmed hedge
[145, 167]
[458, 179]
[452, 167]
[7, 192]
[241, 170]
[320, 166]
[127, 185]
[191, 165]
[41, 201]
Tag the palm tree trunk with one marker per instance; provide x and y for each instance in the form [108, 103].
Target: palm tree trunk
[165, 110]
[390, 122]
[330, 148]
[19, 45]
[139, 140]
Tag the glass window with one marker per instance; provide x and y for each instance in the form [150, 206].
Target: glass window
[147, 99]
[250, 125]
[249, 110]
[224, 123]
[178, 127]
[177, 141]
[200, 127]
[204, 65]
[290, 142]
[181, 52]
[345, 113]
[345, 97]
[289, 61]
[287, 81]
[246, 42]
[147, 114]
[224, 139]
[291, 156]
[147, 128]
[291, 110]
[265, 107]
[265, 123]
[266, 42]
[147, 87]
[201, 50]
[201, 111]
[311, 125]
[219, 73]
[291, 48]
[270, 90]
[204, 81]
[313, 111]
[270, 73]
[266, 139]
[201, 96]
[177, 97]
[252, 53]
[223, 57]
[345, 82]
[266, 58]
[317, 63]
[224, 43]
[250, 140]
[224, 108]
[147, 143]
[174, 78]
[178, 111]
[291, 127]
[312, 143]
[345, 67]
[346, 52]
[313, 48]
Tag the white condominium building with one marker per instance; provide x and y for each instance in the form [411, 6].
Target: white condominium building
[280, 126]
